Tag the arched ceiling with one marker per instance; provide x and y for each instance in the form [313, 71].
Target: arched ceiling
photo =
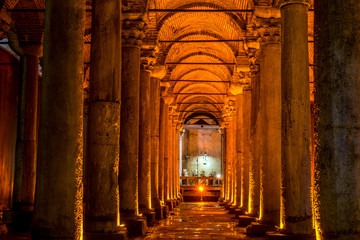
[202, 43]
[195, 47]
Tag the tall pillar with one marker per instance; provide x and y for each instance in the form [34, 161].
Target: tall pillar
[103, 125]
[162, 140]
[270, 114]
[295, 94]
[337, 86]
[167, 197]
[239, 147]
[26, 142]
[254, 162]
[158, 73]
[245, 148]
[144, 136]
[133, 31]
[58, 200]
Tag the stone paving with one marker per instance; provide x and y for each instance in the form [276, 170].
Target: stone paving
[201, 220]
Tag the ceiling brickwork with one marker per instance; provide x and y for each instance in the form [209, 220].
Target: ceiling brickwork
[207, 46]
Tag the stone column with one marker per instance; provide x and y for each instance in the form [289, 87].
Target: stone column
[144, 134]
[270, 114]
[246, 121]
[103, 125]
[254, 162]
[239, 147]
[166, 153]
[295, 144]
[157, 74]
[58, 200]
[337, 85]
[132, 32]
[162, 151]
[26, 142]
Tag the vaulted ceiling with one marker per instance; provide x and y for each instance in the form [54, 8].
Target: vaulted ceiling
[207, 46]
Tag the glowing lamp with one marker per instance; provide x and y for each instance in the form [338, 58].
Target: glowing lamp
[201, 189]
[218, 175]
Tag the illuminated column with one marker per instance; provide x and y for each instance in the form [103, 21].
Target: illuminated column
[133, 31]
[270, 121]
[162, 131]
[166, 153]
[223, 159]
[147, 60]
[176, 160]
[26, 141]
[246, 118]
[239, 147]
[157, 74]
[254, 162]
[337, 85]
[103, 125]
[295, 144]
[58, 200]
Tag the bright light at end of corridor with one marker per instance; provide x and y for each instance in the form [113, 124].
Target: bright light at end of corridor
[218, 175]
[201, 188]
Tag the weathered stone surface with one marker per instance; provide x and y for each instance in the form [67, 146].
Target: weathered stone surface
[129, 134]
[103, 122]
[270, 145]
[58, 208]
[337, 85]
[295, 139]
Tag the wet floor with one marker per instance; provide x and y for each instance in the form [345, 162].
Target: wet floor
[202, 220]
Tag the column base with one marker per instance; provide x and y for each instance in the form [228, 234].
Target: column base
[258, 229]
[165, 210]
[239, 212]
[159, 212]
[228, 206]
[170, 204]
[19, 220]
[232, 209]
[282, 236]
[150, 218]
[121, 235]
[246, 220]
[135, 226]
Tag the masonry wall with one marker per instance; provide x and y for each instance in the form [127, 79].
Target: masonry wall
[200, 142]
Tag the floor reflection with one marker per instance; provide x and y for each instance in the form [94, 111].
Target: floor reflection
[201, 220]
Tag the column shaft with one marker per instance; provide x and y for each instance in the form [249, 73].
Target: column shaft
[254, 163]
[144, 143]
[162, 140]
[337, 85]
[129, 134]
[270, 113]
[155, 140]
[25, 156]
[295, 139]
[246, 116]
[103, 125]
[239, 148]
[58, 204]
[166, 154]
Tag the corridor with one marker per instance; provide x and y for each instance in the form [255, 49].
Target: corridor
[200, 220]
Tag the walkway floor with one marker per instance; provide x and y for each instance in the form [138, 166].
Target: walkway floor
[202, 220]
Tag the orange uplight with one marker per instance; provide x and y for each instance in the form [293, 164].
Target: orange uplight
[201, 188]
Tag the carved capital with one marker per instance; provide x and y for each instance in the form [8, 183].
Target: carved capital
[267, 30]
[159, 72]
[254, 63]
[133, 32]
[147, 59]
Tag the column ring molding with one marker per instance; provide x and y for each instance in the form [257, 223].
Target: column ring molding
[288, 2]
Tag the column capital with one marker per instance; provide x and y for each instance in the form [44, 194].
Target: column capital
[159, 72]
[286, 2]
[147, 59]
[133, 32]
[236, 87]
[267, 30]
[254, 62]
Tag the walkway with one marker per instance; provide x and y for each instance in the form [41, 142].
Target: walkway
[198, 221]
